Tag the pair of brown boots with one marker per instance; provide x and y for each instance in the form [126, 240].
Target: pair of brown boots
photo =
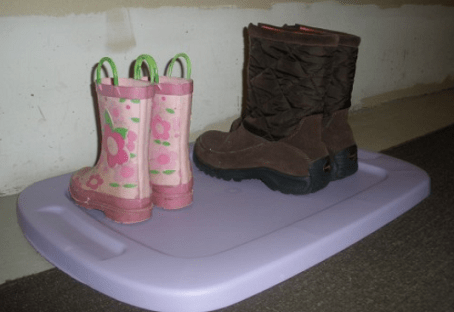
[294, 134]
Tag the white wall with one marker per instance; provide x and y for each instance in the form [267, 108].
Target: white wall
[47, 122]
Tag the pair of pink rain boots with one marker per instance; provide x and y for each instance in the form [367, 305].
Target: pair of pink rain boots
[144, 159]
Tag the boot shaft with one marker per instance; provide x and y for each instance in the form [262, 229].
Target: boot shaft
[170, 125]
[125, 129]
[338, 94]
[169, 166]
[288, 73]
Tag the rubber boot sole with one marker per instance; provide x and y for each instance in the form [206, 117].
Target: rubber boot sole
[344, 163]
[319, 176]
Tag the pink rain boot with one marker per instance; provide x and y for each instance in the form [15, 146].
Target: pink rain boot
[119, 182]
[170, 168]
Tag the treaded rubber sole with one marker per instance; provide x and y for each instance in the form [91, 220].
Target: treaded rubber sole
[344, 163]
[319, 176]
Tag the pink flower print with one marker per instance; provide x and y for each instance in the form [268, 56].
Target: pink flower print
[114, 145]
[132, 136]
[160, 128]
[126, 174]
[162, 158]
[94, 181]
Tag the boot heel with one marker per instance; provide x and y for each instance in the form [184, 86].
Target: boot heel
[120, 210]
[173, 197]
[320, 173]
[345, 163]
[128, 217]
[319, 178]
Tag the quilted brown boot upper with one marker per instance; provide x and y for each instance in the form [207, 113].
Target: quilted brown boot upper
[336, 132]
[288, 75]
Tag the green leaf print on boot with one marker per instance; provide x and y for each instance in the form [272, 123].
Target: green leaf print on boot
[118, 184]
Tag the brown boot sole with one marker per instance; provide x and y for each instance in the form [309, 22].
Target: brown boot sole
[319, 177]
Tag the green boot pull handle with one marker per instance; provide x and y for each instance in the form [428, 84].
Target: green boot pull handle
[188, 63]
[112, 65]
[153, 68]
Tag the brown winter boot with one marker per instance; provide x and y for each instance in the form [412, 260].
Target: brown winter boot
[336, 132]
[279, 139]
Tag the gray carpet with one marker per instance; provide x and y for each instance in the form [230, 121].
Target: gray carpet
[408, 265]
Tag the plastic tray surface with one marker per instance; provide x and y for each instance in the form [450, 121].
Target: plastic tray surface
[236, 240]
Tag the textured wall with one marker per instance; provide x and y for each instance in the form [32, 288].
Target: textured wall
[64, 7]
[47, 122]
